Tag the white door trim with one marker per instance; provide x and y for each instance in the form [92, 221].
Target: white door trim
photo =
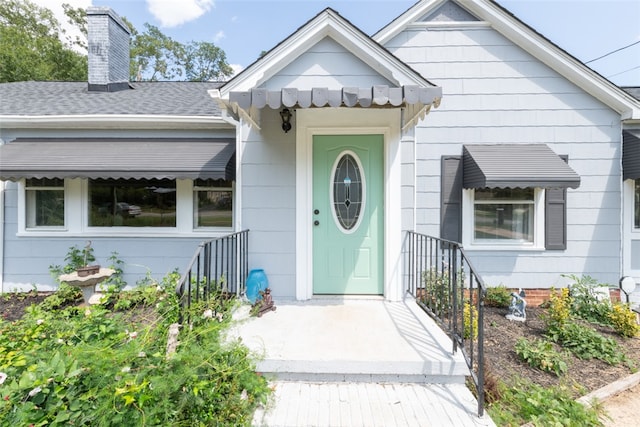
[348, 121]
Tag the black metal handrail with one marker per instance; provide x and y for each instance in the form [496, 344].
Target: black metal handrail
[218, 266]
[445, 284]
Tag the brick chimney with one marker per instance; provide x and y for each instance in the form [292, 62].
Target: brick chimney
[108, 45]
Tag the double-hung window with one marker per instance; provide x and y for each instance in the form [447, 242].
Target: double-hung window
[504, 215]
[44, 207]
[212, 203]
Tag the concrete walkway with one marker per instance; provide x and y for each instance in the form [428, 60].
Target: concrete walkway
[357, 362]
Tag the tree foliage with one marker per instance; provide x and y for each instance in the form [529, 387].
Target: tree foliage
[156, 56]
[35, 46]
[31, 47]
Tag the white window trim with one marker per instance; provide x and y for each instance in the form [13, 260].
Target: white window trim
[22, 211]
[76, 199]
[468, 226]
[630, 233]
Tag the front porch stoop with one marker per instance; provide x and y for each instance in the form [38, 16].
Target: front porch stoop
[350, 362]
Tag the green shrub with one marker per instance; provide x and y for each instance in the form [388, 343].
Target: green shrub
[586, 301]
[64, 296]
[585, 343]
[75, 258]
[558, 309]
[540, 354]
[437, 292]
[527, 402]
[95, 366]
[497, 296]
[470, 322]
[623, 320]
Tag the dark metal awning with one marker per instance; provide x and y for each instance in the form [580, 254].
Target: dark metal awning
[516, 166]
[416, 100]
[131, 158]
[631, 154]
[374, 96]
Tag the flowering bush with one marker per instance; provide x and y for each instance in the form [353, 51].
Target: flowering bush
[624, 320]
[99, 366]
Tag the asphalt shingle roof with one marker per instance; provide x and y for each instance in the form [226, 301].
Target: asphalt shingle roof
[73, 98]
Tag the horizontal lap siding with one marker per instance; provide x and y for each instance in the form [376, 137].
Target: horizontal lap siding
[268, 201]
[494, 92]
[327, 64]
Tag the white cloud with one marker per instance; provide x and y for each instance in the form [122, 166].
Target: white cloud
[172, 13]
[219, 36]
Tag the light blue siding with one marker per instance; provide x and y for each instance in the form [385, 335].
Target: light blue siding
[494, 92]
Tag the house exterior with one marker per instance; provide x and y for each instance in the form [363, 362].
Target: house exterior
[456, 120]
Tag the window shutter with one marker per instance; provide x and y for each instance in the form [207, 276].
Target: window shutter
[451, 198]
[555, 217]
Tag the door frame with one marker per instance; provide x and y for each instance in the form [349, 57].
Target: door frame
[349, 121]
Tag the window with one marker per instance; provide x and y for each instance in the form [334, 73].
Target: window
[504, 215]
[347, 195]
[44, 203]
[212, 203]
[132, 203]
[637, 205]
[539, 222]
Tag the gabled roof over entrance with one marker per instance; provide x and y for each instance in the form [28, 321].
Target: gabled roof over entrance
[249, 91]
[491, 13]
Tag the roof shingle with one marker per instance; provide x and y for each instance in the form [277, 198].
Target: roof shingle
[73, 98]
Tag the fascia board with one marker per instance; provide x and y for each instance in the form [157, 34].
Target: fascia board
[325, 25]
[112, 121]
[411, 15]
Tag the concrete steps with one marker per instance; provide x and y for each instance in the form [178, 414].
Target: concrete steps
[350, 340]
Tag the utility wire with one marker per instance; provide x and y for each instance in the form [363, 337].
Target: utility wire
[622, 72]
[613, 51]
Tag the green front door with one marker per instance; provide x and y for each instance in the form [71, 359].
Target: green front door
[348, 214]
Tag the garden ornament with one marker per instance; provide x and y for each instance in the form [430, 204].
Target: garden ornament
[517, 307]
[264, 304]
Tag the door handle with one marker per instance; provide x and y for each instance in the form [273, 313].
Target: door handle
[316, 212]
[316, 223]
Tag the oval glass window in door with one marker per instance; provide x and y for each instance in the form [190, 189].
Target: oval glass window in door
[347, 195]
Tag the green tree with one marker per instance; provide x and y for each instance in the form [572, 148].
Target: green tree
[205, 61]
[156, 56]
[31, 48]
[153, 55]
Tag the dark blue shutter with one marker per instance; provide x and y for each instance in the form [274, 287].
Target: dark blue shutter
[555, 217]
[451, 198]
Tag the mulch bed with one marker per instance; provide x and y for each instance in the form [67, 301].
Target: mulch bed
[501, 335]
